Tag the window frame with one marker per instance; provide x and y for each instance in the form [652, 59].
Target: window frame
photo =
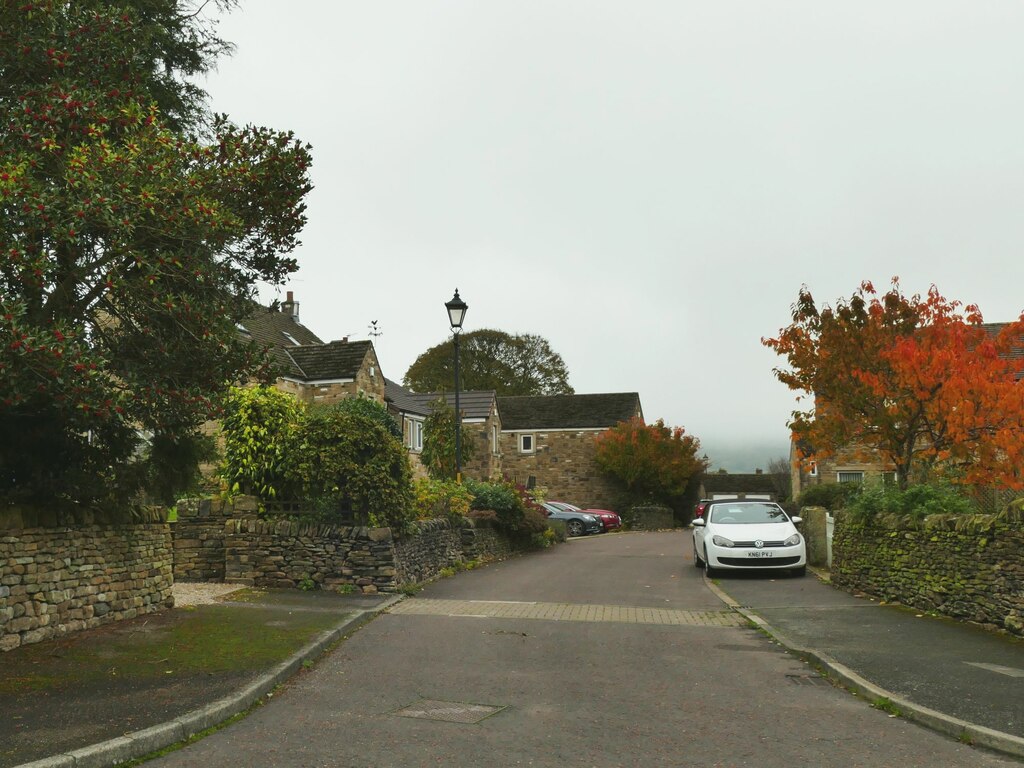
[531, 438]
[858, 481]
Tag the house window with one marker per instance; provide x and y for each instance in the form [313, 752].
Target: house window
[494, 439]
[813, 470]
[526, 444]
[888, 478]
[850, 477]
[416, 436]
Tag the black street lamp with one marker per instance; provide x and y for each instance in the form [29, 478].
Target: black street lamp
[456, 314]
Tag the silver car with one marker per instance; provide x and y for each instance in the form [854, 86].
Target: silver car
[576, 523]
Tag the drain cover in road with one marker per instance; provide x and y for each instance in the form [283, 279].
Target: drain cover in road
[808, 680]
[448, 711]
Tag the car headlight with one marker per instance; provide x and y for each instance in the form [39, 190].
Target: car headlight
[792, 541]
[721, 541]
[590, 518]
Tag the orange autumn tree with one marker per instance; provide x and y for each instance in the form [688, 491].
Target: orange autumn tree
[920, 382]
[652, 461]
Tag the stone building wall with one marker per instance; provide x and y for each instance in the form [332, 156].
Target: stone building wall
[564, 464]
[486, 462]
[59, 580]
[965, 567]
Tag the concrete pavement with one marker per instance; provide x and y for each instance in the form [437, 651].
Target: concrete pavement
[956, 678]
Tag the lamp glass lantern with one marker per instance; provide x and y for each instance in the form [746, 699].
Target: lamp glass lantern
[456, 311]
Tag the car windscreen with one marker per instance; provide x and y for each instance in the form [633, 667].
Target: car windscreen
[747, 514]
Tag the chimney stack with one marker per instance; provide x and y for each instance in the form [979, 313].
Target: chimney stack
[290, 307]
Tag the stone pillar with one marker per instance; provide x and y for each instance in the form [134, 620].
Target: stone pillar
[815, 532]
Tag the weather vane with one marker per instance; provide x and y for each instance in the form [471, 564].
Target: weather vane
[375, 330]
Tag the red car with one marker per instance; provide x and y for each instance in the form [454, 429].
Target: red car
[610, 520]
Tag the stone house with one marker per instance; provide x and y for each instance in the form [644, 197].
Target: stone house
[547, 441]
[480, 419]
[860, 464]
[308, 368]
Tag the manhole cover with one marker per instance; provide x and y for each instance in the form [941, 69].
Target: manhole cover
[448, 711]
[808, 680]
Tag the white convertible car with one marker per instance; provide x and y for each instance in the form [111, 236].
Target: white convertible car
[735, 534]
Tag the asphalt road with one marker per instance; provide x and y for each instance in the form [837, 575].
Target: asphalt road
[607, 651]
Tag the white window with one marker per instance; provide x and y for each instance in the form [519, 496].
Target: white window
[888, 478]
[416, 436]
[813, 471]
[526, 444]
[850, 477]
[494, 439]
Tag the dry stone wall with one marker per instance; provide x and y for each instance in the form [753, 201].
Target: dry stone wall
[268, 553]
[199, 535]
[59, 580]
[966, 567]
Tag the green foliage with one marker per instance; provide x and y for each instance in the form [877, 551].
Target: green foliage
[438, 454]
[917, 501]
[259, 429]
[134, 226]
[490, 359]
[371, 409]
[440, 498]
[172, 465]
[513, 509]
[831, 496]
[349, 461]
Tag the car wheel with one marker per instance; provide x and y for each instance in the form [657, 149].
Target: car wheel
[574, 527]
[801, 571]
[708, 570]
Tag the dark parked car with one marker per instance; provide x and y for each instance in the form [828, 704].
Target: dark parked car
[576, 523]
[610, 520]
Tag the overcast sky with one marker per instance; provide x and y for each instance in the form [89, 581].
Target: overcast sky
[645, 184]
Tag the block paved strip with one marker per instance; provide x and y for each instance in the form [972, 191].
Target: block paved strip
[624, 614]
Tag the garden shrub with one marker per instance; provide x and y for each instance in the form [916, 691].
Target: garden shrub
[371, 409]
[349, 461]
[438, 455]
[440, 498]
[917, 501]
[259, 428]
[831, 496]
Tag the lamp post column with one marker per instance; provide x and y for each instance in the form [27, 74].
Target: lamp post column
[458, 414]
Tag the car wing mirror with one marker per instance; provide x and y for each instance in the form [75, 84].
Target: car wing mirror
[698, 522]
[797, 520]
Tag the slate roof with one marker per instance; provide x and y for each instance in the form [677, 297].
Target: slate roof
[475, 404]
[267, 327]
[402, 399]
[568, 411]
[720, 482]
[329, 362]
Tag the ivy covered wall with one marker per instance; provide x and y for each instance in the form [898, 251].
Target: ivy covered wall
[965, 567]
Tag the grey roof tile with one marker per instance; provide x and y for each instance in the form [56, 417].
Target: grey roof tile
[276, 331]
[598, 411]
[325, 362]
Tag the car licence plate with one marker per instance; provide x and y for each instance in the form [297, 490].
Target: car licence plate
[760, 553]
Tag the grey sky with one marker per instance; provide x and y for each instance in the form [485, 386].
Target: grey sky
[645, 184]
